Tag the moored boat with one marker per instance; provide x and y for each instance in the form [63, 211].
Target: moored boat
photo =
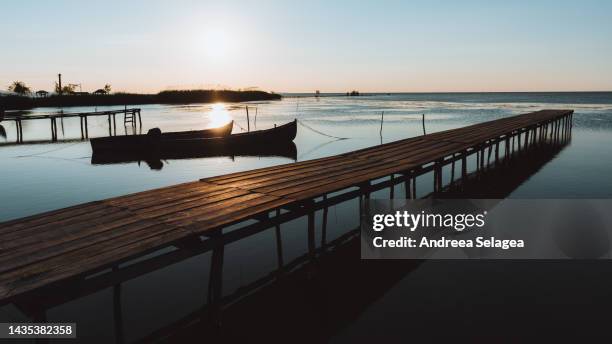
[278, 135]
[157, 141]
[154, 137]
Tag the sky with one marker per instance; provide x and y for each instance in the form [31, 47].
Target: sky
[303, 46]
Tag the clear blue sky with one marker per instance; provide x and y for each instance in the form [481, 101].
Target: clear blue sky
[295, 46]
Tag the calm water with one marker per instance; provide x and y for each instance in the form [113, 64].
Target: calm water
[399, 300]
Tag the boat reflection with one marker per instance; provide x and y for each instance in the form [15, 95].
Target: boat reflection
[155, 158]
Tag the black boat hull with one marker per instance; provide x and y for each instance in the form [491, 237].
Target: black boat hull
[149, 141]
[269, 137]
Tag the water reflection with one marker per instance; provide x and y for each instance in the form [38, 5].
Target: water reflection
[219, 115]
[154, 159]
[316, 296]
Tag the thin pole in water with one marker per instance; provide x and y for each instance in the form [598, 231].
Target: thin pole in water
[382, 118]
[423, 124]
[248, 121]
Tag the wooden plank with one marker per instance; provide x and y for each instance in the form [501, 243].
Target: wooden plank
[66, 238]
[34, 220]
[38, 275]
[233, 177]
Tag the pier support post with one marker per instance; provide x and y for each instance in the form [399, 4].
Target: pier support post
[311, 234]
[438, 176]
[507, 149]
[407, 191]
[464, 165]
[324, 226]
[117, 312]
[215, 284]
[496, 152]
[482, 158]
[279, 243]
[452, 178]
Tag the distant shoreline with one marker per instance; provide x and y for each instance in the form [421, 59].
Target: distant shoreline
[340, 94]
[561, 97]
[14, 102]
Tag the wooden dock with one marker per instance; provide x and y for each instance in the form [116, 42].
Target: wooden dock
[130, 115]
[73, 242]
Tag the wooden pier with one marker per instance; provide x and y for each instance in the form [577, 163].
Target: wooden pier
[74, 242]
[130, 116]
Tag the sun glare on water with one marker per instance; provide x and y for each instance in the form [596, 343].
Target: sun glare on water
[218, 115]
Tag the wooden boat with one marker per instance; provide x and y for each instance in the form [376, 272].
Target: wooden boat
[281, 134]
[154, 158]
[153, 137]
[157, 142]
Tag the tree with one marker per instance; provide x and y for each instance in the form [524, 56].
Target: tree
[19, 87]
[107, 88]
[68, 89]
